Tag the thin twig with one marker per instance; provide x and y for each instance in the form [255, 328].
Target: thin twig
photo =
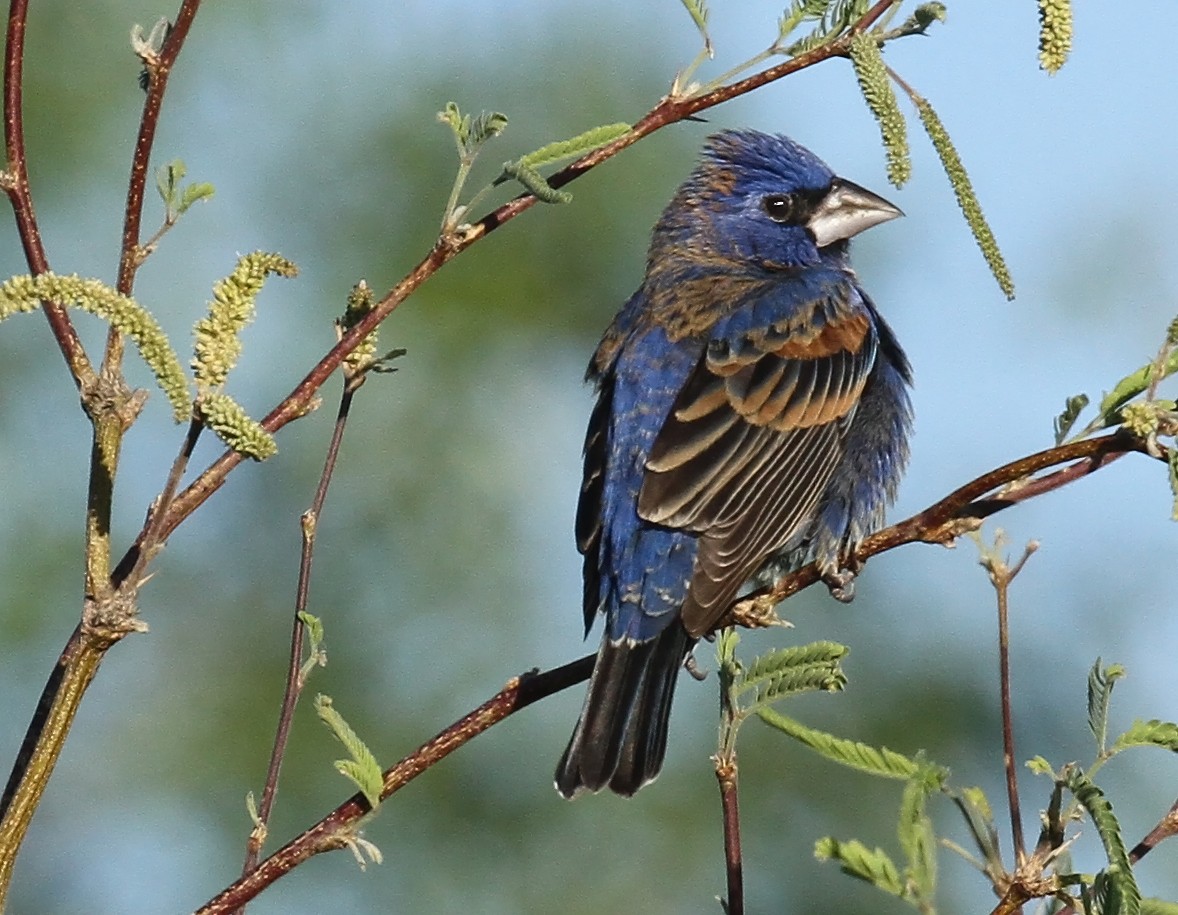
[1002, 575]
[726, 776]
[333, 831]
[295, 678]
[108, 610]
[930, 525]
[16, 186]
[1167, 826]
[157, 72]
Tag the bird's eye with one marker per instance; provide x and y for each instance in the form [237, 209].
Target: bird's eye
[781, 208]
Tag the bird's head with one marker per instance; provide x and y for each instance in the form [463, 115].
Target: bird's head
[764, 202]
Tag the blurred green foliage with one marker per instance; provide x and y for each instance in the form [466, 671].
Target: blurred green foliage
[445, 560]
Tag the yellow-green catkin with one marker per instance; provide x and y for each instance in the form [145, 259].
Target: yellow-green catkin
[25, 293]
[1055, 34]
[229, 421]
[218, 345]
[876, 85]
[967, 200]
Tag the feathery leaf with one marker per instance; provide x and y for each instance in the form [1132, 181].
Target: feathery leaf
[362, 768]
[881, 761]
[857, 860]
[1115, 883]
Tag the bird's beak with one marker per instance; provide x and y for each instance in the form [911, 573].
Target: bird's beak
[846, 211]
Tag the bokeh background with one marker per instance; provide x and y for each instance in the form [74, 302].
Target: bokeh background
[446, 560]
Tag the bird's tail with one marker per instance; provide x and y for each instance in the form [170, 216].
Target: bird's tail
[621, 735]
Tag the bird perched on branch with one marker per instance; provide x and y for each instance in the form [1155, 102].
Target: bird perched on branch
[752, 414]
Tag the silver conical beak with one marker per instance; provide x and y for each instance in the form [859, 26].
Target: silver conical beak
[846, 211]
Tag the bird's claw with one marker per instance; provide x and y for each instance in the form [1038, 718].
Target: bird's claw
[691, 665]
[841, 585]
[758, 612]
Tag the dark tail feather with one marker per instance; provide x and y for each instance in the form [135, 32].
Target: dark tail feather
[621, 736]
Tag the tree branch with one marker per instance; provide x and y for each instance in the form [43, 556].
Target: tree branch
[959, 512]
[295, 675]
[15, 182]
[335, 829]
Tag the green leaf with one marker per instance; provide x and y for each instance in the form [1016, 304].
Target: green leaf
[1100, 688]
[167, 180]
[1152, 733]
[1073, 406]
[883, 762]
[201, 190]
[471, 133]
[1158, 907]
[1115, 883]
[915, 829]
[314, 629]
[1132, 385]
[536, 184]
[698, 11]
[798, 669]
[858, 860]
[362, 768]
[573, 146]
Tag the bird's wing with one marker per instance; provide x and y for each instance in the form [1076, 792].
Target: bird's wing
[755, 434]
[588, 526]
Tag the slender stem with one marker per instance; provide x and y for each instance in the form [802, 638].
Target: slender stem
[726, 776]
[16, 186]
[157, 72]
[931, 526]
[111, 424]
[103, 624]
[1002, 584]
[295, 679]
[1167, 826]
[337, 829]
[112, 407]
[40, 751]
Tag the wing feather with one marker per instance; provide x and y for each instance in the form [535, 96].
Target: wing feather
[752, 441]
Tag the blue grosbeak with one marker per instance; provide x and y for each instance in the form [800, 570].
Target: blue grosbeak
[752, 414]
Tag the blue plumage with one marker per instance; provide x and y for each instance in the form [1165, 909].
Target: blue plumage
[752, 413]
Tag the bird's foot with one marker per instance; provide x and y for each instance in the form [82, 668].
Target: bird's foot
[841, 584]
[758, 612]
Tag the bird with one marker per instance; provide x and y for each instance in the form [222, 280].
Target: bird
[752, 414]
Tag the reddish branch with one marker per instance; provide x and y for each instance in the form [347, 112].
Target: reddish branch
[339, 828]
[16, 186]
[940, 523]
[726, 773]
[295, 678]
[157, 72]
